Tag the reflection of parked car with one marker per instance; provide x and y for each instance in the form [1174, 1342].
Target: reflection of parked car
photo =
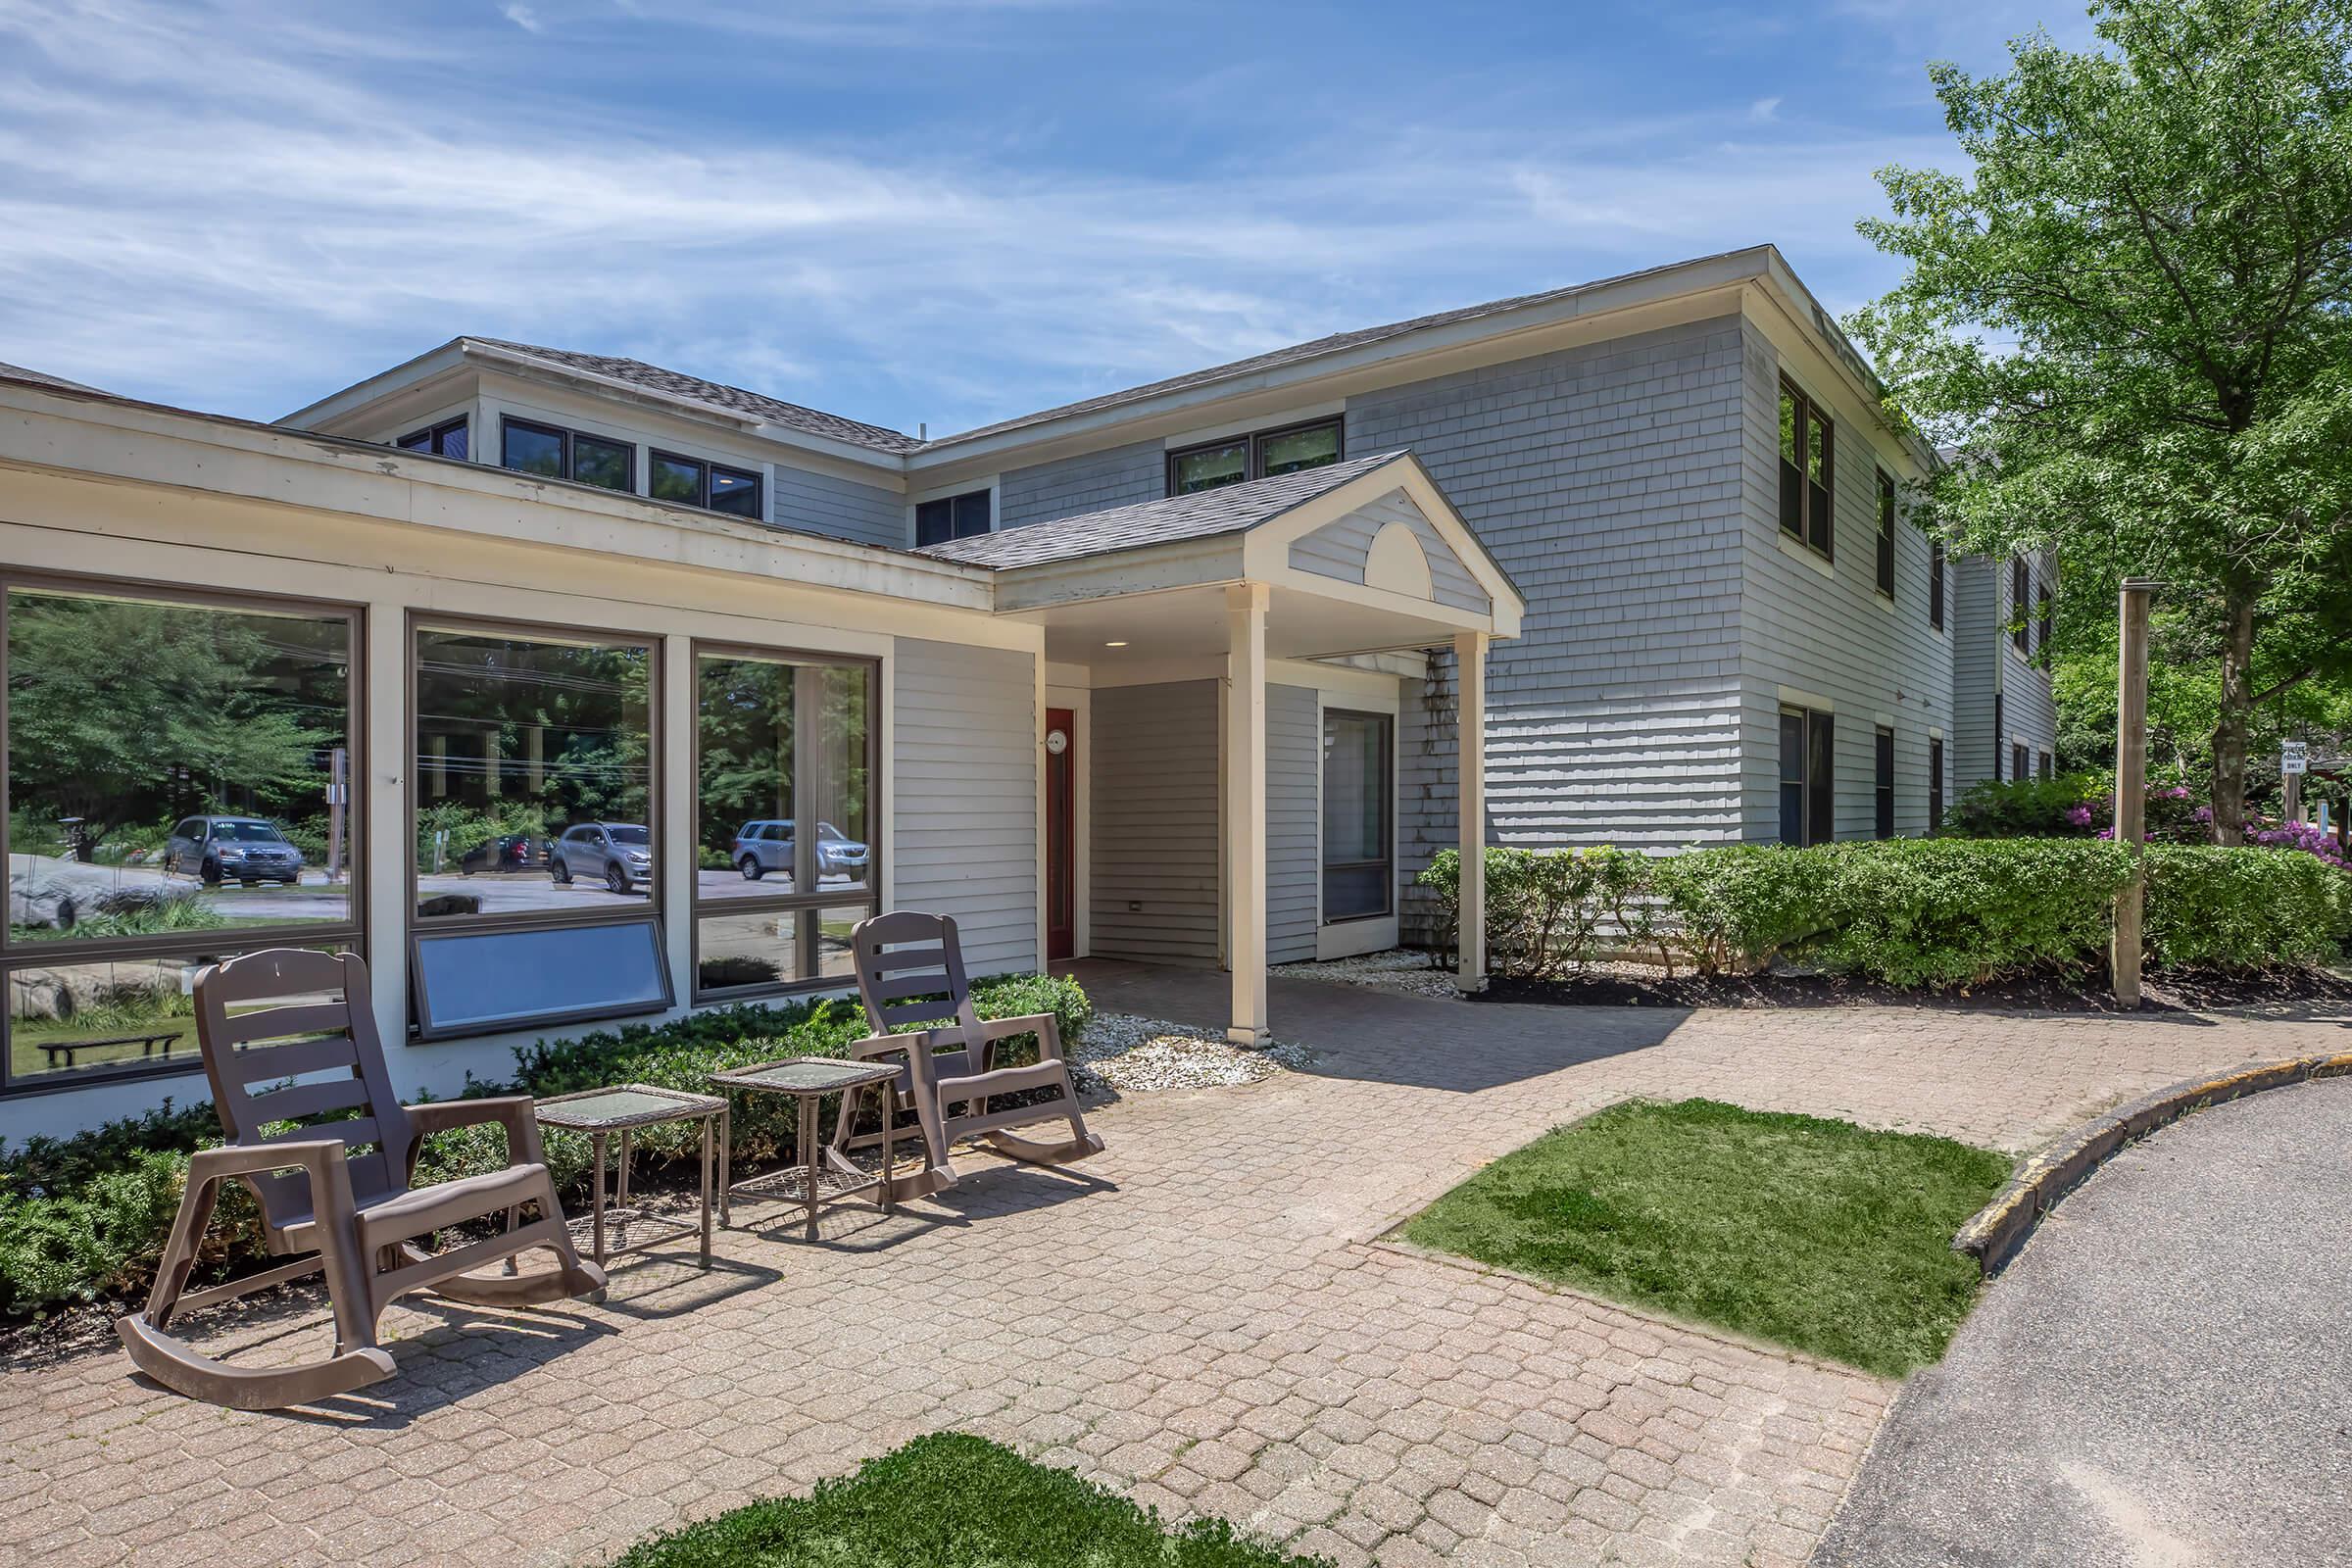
[219, 848]
[767, 845]
[620, 853]
[509, 852]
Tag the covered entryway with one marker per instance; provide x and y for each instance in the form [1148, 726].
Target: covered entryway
[1250, 658]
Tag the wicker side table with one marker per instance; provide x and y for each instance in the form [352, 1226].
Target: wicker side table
[808, 1079]
[601, 1113]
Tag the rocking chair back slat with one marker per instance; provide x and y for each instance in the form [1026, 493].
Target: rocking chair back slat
[247, 1085]
[910, 955]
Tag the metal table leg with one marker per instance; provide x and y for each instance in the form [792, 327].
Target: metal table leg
[889, 1143]
[709, 1124]
[596, 1145]
[726, 1173]
[808, 1157]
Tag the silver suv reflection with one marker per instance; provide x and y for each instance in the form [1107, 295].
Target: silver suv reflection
[620, 854]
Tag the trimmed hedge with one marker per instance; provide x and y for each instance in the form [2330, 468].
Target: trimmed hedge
[86, 1216]
[1907, 913]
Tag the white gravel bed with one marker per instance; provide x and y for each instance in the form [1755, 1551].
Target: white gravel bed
[1130, 1054]
[1397, 969]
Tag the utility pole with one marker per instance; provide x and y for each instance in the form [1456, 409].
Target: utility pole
[2131, 781]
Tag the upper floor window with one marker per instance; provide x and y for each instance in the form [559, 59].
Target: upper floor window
[951, 518]
[1936, 583]
[1807, 471]
[2041, 621]
[1886, 534]
[554, 453]
[1259, 456]
[448, 439]
[2021, 592]
[712, 486]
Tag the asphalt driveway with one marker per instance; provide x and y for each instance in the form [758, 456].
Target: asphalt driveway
[2162, 1380]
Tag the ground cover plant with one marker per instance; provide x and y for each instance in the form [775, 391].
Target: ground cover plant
[1815, 1234]
[951, 1501]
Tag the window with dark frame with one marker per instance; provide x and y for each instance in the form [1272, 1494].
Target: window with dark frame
[2020, 595]
[139, 855]
[1998, 724]
[1886, 534]
[448, 439]
[2042, 611]
[1808, 776]
[555, 453]
[952, 517]
[534, 817]
[2020, 766]
[1936, 583]
[1808, 471]
[1883, 781]
[712, 486]
[1264, 454]
[786, 779]
[2047, 765]
[1934, 785]
[1359, 878]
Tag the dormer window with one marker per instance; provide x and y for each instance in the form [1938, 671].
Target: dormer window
[527, 447]
[713, 486]
[447, 439]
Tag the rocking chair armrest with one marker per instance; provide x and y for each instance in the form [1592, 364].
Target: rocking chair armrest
[1044, 1025]
[874, 1046]
[511, 1111]
[309, 1155]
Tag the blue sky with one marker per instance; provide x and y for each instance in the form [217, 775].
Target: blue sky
[906, 210]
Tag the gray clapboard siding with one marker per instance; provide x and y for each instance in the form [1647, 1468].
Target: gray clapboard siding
[1834, 636]
[1293, 820]
[821, 502]
[965, 788]
[1155, 823]
[1092, 481]
[1343, 549]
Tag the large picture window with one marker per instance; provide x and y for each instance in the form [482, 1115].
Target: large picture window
[178, 790]
[785, 817]
[532, 793]
[1358, 812]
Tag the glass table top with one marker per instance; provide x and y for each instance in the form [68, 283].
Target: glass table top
[809, 1073]
[630, 1104]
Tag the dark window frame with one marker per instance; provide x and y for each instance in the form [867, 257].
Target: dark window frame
[2044, 608]
[1324, 864]
[1885, 564]
[657, 719]
[1883, 781]
[1934, 785]
[434, 439]
[804, 787]
[2045, 766]
[2021, 592]
[2000, 740]
[1936, 589]
[570, 440]
[348, 933]
[1815, 777]
[1813, 521]
[703, 469]
[2021, 761]
[955, 514]
[1253, 466]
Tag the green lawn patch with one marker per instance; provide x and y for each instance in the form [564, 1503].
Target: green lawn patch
[951, 1500]
[1815, 1234]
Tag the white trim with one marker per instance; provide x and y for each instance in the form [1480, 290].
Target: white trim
[1306, 414]
[1351, 939]
[1080, 701]
[1799, 696]
[1804, 554]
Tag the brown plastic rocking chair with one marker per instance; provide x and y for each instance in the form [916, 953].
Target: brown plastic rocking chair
[910, 970]
[339, 1189]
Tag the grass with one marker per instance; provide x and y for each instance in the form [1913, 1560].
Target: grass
[1814, 1234]
[951, 1500]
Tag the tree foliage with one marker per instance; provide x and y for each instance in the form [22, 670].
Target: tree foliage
[2129, 322]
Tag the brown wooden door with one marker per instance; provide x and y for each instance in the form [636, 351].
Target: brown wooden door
[1061, 806]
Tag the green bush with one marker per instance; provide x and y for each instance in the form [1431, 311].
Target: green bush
[86, 1215]
[1738, 906]
[1546, 909]
[2245, 910]
[2068, 805]
[1944, 913]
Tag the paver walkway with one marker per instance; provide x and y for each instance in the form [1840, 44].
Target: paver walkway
[2162, 1377]
[1199, 1317]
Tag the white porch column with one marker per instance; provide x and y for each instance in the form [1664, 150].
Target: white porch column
[1246, 810]
[1470, 788]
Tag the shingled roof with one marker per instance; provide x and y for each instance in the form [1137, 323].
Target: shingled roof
[718, 394]
[1228, 508]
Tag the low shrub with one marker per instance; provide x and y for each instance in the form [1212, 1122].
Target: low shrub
[2245, 910]
[1946, 913]
[86, 1215]
[1738, 906]
[2065, 806]
[1547, 909]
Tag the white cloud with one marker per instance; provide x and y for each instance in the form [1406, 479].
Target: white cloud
[523, 17]
[1764, 109]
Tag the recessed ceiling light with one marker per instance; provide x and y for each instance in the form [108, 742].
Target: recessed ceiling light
[1114, 645]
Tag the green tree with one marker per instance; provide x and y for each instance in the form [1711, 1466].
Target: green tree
[2130, 319]
[110, 702]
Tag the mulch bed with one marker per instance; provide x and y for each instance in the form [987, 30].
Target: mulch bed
[1625, 987]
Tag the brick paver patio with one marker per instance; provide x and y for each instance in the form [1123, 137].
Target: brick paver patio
[1203, 1317]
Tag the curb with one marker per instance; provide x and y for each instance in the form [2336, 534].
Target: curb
[1998, 1230]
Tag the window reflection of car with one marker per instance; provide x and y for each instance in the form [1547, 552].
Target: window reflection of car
[242, 849]
[767, 845]
[619, 853]
[509, 852]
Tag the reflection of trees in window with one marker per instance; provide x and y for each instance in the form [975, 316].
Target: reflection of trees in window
[528, 736]
[128, 713]
[747, 713]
